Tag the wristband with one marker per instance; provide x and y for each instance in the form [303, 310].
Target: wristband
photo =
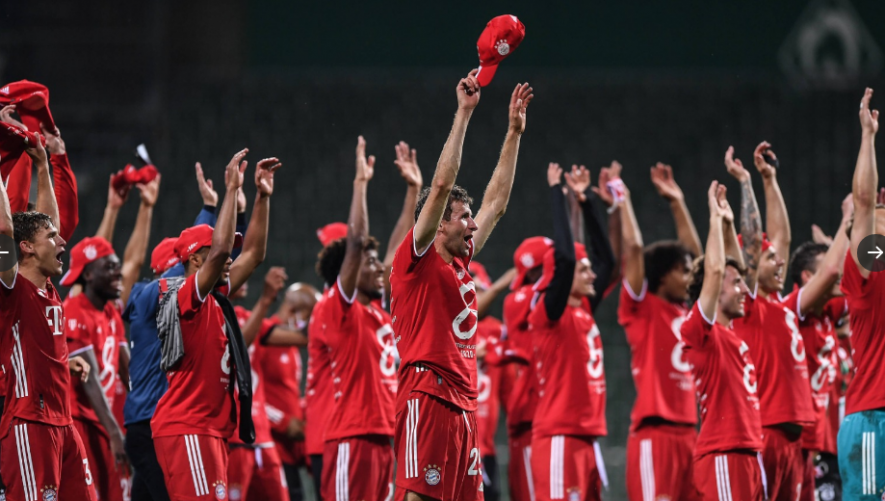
[618, 192]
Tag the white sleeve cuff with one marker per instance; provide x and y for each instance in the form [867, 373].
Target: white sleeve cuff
[755, 291]
[799, 305]
[197, 287]
[638, 298]
[80, 350]
[348, 300]
[704, 316]
[10, 286]
[415, 245]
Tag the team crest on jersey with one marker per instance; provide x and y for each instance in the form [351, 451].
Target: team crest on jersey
[432, 475]
[574, 494]
[220, 491]
[50, 493]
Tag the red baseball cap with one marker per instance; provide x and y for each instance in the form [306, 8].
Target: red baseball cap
[766, 243]
[331, 232]
[195, 238]
[164, 256]
[13, 140]
[88, 250]
[528, 255]
[32, 103]
[501, 37]
[131, 176]
[550, 262]
[480, 275]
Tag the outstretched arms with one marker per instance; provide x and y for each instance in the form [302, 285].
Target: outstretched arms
[662, 178]
[830, 269]
[357, 223]
[714, 255]
[866, 179]
[560, 287]
[407, 163]
[133, 256]
[751, 220]
[777, 222]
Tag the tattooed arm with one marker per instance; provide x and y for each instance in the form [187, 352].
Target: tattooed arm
[751, 220]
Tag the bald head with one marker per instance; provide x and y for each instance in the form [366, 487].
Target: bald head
[298, 302]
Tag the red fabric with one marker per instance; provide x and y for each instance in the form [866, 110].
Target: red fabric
[437, 449]
[501, 36]
[130, 176]
[194, 466]
[32, 103]
[358, 468]
[550, 267]
[318, 392]
[490, 378]
[730, 475]
[771, 330]
[523, 398]
[866, 302]
[659, 463]
[662, 375]
[87, 251]
[164, 256]
[363, 355]
[108, 479]
[564, 467]
[102, 331]
[807, 493]
[528, 255]
[249, 480]
[726, 382]
[196, 237]
[259, 401]
[120, 402]
[784, 464]
[65, 185]
[522, 485]
[37, 385]
[18, 184]
[55, 457]
[570, 374]
[199, 399]
[331, 232]
[434, 304]
[15, 164]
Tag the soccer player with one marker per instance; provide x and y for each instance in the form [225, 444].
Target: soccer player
[726, 461]
[41, 454]
[566, 459]
[434, 317]
[196, 412]
[652, 308]
[861, 448]
[771, 330]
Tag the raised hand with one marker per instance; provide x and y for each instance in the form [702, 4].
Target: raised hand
[554, 174]
[233, 173]
[209, 195]
[734, 166]
[79, 368]
[578, 180]
[6, 116]
[869, 120]
[766, 169]
[54, 143]
[819, 237]
[407, 163]
[116, 199]
[718, 203]
[365, 167]
[662, 178]
[519, 101]
[36, 151]
[149, 191]
[725, 208]
[606, 175]
[468, 91]
[274, 281]
[264, 172]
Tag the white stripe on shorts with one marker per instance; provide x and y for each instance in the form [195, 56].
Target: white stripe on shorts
[527, 462]
[646, 470]
[195, 458]
[412, 439]
[342, 473]
[557, 461]
[723, 482]
[868, 463]
[25, 464]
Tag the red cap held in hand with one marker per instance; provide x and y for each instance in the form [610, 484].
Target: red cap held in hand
[164, 256]
[88, 250]
[31, 101]
[195, 238]
[331, 232]
[13, 141]
[501, 37]
[130, 176]
[528, 255]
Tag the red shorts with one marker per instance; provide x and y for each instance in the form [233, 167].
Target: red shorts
[729, 476]
[808, 476]
[194, 466]
[659, 463]
[290, 451]
[566, 467]
[437, 450]
[783, 462]
[255, 473]
[110, 480]
[522, 487]
[358, 468]
[43, 462]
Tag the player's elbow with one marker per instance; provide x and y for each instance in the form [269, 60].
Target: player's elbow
[864, 197]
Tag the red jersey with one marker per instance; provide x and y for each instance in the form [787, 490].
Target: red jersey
[771, 330]
[523, 399]
[87, 327]
[281, 368]
[34, 354]
[319, 396]
[199, 399]
[866, 301]
[726, 385]
[259, 400]
[569, 371]
[662, 375]
[433, 304]
[490, 374]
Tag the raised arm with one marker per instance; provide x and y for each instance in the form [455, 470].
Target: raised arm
[45, 194]
[447, 167]
[357, 222]
[866, 179]
[665, 183]
[560, 287]
[751, 220]
[602, 259]
[407, 163]
[255, 245]
[631, 246]
[485, 298]
[64, 182]
[714, 255]
[497, 195]
[111, 211]
[7, 230]
[274, 282]
[133, 256]
[777, 221]
[830, 269]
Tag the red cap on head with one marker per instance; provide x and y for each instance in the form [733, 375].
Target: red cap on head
[528, 255]
[480, 275]
[549, 264]
[501, 37]
[31, 101]
[766, 243]
[331, 232]
[86, 251]
[164, 256]
[195, 238]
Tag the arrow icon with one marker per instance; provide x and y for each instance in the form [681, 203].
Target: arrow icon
[878, 252]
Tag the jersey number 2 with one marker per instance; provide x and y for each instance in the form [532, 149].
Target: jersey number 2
[474, 455]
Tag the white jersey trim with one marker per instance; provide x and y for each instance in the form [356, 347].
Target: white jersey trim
[81, 350]
[352, 297]
[636, 297]
[415, 245]
[14, 278]
[704, 316]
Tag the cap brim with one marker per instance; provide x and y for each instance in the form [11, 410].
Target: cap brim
[70, 277]
[485, 74]
[518, 280]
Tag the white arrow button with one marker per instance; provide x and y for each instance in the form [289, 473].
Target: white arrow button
[878, 252]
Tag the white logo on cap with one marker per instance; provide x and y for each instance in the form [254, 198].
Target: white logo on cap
[503, 47]
[5, 90]
[191, 246]
[527, 260]
[90, 252]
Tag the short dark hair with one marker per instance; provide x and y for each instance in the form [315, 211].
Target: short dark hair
[458, 194]
[697, 276]
[660, 259]
[803, 259]
[26, 225]
[331, 258]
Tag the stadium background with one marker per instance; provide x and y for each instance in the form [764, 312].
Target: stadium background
[673, 81]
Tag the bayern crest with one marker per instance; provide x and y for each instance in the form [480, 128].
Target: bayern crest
[432, 476]
[50, 494]
[90, 252]
[503, 47]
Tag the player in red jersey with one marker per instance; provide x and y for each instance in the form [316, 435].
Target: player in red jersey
[318, 392]
[41, 454]
[196, 412]
[771, 330]
[652, 308]
[566, 459]
[434, 318]
[726, 462]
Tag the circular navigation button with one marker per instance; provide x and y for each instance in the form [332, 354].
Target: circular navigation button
[8, 255]
[871, 252]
